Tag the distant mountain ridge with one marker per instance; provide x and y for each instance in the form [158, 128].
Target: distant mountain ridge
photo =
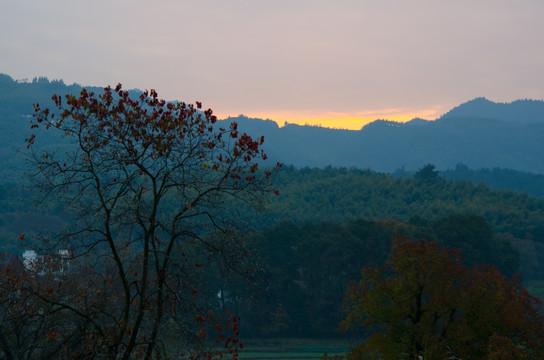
[519, 111]
[479, 134]
[385, 146]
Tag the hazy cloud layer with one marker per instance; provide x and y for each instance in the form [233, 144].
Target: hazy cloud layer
[305, 57]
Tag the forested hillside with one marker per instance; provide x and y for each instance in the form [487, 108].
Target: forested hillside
[329, 221]
[340, 195]
[17, 101]
[520, 111]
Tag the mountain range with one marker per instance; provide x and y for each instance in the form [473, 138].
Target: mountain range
[479, 134]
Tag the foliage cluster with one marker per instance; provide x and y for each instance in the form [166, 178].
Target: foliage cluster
[424, 303]
[306, 268]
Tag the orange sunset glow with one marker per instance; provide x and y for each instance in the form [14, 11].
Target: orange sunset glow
[343, 120]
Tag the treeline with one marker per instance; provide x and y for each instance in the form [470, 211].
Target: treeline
[341, 194]
[499, 179]
[496, 178]
[326, 224]
[304, 269]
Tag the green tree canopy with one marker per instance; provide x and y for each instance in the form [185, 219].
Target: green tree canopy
[427, 173]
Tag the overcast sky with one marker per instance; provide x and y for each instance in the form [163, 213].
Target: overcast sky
[288, 60]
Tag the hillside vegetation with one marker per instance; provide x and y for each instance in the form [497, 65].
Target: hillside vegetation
[330, 221]
[340, 194]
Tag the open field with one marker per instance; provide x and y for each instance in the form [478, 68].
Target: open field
[292, 349]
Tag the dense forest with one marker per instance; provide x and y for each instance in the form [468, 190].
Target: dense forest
[306, 268]
[327, 223]
[340, 195]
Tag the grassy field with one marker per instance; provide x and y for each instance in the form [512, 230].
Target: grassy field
[292, 349]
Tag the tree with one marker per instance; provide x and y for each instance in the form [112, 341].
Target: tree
[474, 236]
[423, 302]
[427, 174]
[144, 180]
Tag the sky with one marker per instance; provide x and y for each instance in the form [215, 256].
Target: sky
[334, 63]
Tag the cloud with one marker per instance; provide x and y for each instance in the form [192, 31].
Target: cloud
[296, 56]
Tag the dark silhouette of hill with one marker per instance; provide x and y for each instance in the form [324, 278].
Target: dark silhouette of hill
[519, 111]
[478, 142]
[16, 108]
[478, 134]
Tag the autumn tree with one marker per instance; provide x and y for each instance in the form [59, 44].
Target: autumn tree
[424, 303]
[146, 181]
